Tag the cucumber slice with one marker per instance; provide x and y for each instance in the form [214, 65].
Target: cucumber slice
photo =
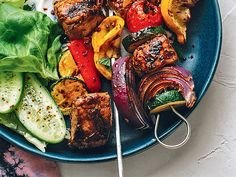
[164, 100]
[39, 113]
[11, 86]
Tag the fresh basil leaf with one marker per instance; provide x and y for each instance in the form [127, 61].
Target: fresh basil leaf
[29, 42]
[106, 62]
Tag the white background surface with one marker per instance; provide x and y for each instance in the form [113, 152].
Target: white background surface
[211, 150]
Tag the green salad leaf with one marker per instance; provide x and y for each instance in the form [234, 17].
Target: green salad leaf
[12, 122]
[29, 42]
[16, 3]
[106, 62]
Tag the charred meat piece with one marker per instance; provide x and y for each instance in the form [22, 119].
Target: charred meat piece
[120, 6]
[78, 17]
[91, 121]
[153, 55]
[156, 2]
[189, 3]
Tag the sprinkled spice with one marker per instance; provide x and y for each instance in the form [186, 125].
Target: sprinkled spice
[52, 12]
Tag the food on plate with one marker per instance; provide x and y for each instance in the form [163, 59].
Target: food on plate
[134, 40]
[70, 62]
[156, 89]
[91, 121]
[82, 52]
[176, 15]
[143, 14]
[78, 17]
[38, 112]
[11, 121]
[67, 65]
[19, 51]
[153, 55]
[120, 6]
[106, 42]
[125, 96]
[66, 90]
[11, 88]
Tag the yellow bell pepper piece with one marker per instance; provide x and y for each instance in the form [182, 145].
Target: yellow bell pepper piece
[106, 42]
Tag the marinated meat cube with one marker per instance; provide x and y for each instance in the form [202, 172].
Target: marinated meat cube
[156, 2]
[120, 6]
[153, 55]
[91, 121]
[78, 17]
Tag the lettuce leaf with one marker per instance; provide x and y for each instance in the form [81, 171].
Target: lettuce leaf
[29, 42]
[12, 122]
[16, 3]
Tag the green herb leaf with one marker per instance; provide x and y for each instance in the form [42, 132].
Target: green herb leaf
[106, 62]
[159, 30]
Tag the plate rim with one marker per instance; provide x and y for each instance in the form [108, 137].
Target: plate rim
[149, 144]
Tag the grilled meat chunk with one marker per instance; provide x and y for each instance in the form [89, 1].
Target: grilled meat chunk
[156, 2]
[120, 6]
[189, 3]
[78, 17]
[153, 55]
[91, 121]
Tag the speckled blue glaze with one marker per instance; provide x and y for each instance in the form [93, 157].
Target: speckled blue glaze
[202, 54]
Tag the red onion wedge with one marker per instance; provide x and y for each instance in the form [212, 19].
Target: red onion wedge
[171, 77]
[125, 97]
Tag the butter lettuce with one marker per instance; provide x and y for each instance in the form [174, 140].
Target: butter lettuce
[12, 122]
[16, 3]
[29, 42]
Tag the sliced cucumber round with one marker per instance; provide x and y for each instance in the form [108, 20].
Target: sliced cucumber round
[164, 100]
[39, 113]
[11, 86]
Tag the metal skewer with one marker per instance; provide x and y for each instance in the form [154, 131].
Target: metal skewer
[118, 141]
[183, 142]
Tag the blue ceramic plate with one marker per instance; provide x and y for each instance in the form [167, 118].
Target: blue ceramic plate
[202, 53]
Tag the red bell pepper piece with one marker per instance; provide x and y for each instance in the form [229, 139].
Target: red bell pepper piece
[143, 14]
[83, 54]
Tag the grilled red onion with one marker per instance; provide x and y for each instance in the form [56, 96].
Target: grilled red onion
[125, 97]
[172, 77]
